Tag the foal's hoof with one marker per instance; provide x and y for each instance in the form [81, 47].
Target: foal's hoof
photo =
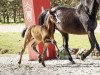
[73, 62]
[19, 62]
[43, 64]
[77, 58]
[40, 60]
[83, 56]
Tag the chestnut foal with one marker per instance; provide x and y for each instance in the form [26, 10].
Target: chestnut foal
[38, 33]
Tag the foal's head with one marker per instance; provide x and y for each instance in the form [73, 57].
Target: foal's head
[50, 19]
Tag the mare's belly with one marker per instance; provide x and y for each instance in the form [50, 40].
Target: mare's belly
[72, 29]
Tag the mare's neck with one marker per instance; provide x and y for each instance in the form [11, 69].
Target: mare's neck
[94, 10]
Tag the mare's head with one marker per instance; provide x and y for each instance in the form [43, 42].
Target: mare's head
[91, 5]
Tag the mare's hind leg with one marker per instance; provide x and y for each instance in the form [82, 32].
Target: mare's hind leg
[93, 42]
[65, 38]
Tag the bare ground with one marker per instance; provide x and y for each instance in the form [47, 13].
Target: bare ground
[9, 66]
[20, 27]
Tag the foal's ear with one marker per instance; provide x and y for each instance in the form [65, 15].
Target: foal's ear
[51, 13]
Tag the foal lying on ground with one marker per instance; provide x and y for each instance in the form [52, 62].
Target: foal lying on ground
[38, 33]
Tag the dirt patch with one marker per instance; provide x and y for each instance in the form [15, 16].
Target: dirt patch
[9, 66]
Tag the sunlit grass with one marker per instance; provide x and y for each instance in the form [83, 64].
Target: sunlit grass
[76, 41]
[12, 42]
[98, 21]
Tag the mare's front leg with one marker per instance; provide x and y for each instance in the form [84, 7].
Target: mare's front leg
[93, 42]
[66, 38]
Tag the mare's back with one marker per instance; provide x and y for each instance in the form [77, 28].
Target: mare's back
[68, 20]
[66, 15]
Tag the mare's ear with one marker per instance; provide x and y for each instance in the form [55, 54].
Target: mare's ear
[88, 4]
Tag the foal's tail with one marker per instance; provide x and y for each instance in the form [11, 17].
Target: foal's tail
[28, 34]
[23, 32]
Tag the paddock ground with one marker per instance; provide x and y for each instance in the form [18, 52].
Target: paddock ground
[9, 66]
[20, 27]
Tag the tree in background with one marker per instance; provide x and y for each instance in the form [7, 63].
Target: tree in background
[11, 10]
[68, 3]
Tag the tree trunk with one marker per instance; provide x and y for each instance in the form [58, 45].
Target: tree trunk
[7, 17]
[4, 17]
[19, 16]
[14, 16]
[0, 19]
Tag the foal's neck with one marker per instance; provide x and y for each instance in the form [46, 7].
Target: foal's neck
[50, 26]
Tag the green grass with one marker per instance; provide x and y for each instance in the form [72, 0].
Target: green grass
[76, 41]
[12, 42]
[98, 21]
[11, 24]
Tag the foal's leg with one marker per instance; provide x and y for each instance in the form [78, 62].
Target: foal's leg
[55, 43]
[46, 43]
[65, 37]
[93, 42]
[34, 46]
[41, 60]
[26, 42]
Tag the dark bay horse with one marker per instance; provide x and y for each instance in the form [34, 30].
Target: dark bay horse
[38, 33]
[80, 20]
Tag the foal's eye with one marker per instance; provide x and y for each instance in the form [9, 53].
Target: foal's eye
[51, 16]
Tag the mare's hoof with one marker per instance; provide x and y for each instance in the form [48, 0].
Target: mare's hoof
[83, 56]
[58, 57]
